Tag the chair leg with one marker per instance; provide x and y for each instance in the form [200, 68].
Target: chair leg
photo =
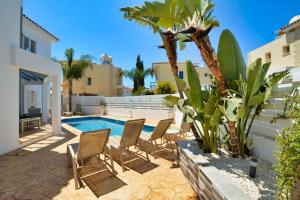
[112, 162]
[75, 173]
[170, 144]
[147, 156]
[156, 145]
[121, 159]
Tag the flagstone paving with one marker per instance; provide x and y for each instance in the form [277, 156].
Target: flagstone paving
[41, 171]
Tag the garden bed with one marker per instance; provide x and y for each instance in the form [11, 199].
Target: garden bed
[223, 177]
[263, 186]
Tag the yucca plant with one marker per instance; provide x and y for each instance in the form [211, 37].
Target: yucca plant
[249, 87]
[200, 107]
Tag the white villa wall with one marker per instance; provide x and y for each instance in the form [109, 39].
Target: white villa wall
[12, 59]
[33, 97]
[43, 42]
[9, 76]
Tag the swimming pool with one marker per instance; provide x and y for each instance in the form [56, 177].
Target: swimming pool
[95, 123]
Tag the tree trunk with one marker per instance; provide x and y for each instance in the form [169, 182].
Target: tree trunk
[296, 187]
[70, 94]
[210, 58]
[170, 46]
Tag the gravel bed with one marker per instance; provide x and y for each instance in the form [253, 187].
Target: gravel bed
[262, 187]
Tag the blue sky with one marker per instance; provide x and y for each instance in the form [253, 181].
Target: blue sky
[97, 26]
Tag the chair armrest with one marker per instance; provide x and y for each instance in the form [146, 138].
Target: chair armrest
[73, 155]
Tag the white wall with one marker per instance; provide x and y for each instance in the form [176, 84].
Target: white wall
[43, 42]
[33, 97]
[12, 58]
[9, 76]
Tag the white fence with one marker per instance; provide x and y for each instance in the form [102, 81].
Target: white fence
[151, 102]
[151, 106]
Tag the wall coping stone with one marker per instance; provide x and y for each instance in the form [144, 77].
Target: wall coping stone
[225, 187]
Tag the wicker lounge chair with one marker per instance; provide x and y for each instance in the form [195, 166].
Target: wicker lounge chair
[91, 144]
[130, 137]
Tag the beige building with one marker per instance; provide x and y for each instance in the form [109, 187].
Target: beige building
[103, 79]
[162, 71]
[284, 51]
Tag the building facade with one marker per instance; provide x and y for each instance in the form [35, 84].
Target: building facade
[163, 73]
[103, 79]
[25, 65]
[284, 51]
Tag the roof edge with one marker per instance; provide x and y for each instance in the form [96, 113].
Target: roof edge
[40, 27]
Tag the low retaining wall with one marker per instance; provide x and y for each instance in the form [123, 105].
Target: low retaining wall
[140, 113]
[205, 180]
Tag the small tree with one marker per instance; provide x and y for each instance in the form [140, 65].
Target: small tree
[165, 88]
[138, 75]
[74, 70]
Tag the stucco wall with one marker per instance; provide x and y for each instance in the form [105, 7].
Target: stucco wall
[9, 76]
[33, 97]
[279, 61]
[104, 81]
[164, 73]
[12, 58]
[43, 41]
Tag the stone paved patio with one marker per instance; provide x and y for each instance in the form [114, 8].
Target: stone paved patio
[40, 171]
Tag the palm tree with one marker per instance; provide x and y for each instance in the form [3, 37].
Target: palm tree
[197, 25]
[190, 21]
[142, 15]
[149, 15]
[138, 77]
[74, 70]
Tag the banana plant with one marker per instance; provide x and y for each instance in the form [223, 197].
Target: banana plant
[200, 108]
[249, 88]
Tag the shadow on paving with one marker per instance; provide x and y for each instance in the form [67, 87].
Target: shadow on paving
[103, 183]
[39, 173]
[134, 162]
[43, 172]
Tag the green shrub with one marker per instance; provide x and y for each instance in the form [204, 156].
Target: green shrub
[148, 92]
[289, 155]
[165, 88]
[139, 91]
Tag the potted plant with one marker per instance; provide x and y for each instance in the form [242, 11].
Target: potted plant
[102, 105]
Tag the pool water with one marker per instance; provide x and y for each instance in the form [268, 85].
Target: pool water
[95, 123]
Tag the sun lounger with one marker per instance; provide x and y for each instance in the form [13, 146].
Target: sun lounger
[158, 133]
[91, 144]
[130, 137]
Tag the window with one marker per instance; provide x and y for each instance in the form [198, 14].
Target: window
[32, 46]
[25, 43]
[268, 57]
[89, 81]
[29, 45]
[180, 74]
[285, 50]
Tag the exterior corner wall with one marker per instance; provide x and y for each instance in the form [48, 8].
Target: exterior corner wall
[9, 76]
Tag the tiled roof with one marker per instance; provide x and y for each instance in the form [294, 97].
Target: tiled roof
[39, 26]
[290, 24]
